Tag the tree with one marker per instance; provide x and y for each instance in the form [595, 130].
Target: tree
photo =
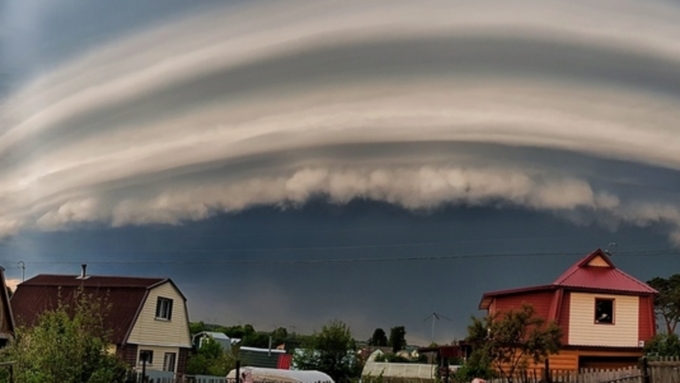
[397, 338]
[67, 345]
[513, 338]
[667, 302]
[196, 327]
[379, 338]
[279, 336]
[211, 359]
[663, 345]
[331, 351]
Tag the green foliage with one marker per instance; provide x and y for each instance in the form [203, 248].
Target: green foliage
[478, 365]
[397, 338]
[68, 345]
[663, 345]
[331, 351]
[211, 359]
[196, 327]
[392, 358]
[279, 336]
[513, 338]
[667, 302]
[379, 338]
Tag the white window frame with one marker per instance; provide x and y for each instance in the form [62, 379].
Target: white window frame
[164, 309]
[139, 358]
[173, 356]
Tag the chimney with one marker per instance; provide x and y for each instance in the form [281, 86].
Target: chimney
[83, 269]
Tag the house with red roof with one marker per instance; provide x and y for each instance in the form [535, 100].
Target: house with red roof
[147, 317]
[605, 314]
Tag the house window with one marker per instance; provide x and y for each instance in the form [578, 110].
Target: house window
[169, 361]
[604, 311]
[164, 308]
[145, 355]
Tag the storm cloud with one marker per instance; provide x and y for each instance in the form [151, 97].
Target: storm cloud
[418, 106]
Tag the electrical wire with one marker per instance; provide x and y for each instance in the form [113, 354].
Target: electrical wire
[413, 258]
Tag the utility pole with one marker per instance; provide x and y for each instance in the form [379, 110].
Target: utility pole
[22, 266]
[435, 317]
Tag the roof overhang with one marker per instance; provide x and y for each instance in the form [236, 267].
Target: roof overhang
[487, 298]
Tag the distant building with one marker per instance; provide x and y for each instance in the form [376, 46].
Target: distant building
[221, 338]
[264, 357]
[147, 317]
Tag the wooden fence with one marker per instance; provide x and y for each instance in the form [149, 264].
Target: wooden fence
[135, 377]
[663, 370]
[624, 375]
[650, 370]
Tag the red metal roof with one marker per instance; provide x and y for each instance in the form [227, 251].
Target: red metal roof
[582, 276]
[44, 292]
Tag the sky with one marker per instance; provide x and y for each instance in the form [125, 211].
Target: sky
[289, 163]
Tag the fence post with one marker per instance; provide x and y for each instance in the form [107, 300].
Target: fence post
[645, 370]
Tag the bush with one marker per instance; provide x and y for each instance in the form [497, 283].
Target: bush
[68, 345]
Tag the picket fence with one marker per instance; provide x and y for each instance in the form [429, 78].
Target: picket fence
[156, 377]
[624, 375]
[650, 370]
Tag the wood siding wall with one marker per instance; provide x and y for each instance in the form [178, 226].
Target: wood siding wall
[569, 359]
[128, 354]
[541, 301]
[584, 332]
[154, 332]
[158, 356]
[182, 361]
[647, 325]
[563, 319]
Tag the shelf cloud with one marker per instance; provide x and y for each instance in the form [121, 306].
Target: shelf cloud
[415, 105]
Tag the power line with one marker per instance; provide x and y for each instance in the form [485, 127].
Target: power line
[414, 258]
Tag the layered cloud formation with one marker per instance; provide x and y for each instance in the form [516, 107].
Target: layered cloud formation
[416, 105]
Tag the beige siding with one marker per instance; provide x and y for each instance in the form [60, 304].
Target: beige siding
[598, 262]
[584, 332]
[154, 332]
[158, 356]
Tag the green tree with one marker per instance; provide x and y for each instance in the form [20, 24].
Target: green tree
[196, 327]
[513, 338]
[211, 359]
[379, 338]
[397, 338]
[332, 351]
[256, 339]
[667, 302]
[663, 345]
[279, 336]
[67, 345]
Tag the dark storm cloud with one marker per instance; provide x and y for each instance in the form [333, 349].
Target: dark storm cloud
[232, 109]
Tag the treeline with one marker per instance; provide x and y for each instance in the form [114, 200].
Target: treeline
[250, 337]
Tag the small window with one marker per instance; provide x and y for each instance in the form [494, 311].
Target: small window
[145, 355]
[169, 361]
[164, 308]
[604, 311]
